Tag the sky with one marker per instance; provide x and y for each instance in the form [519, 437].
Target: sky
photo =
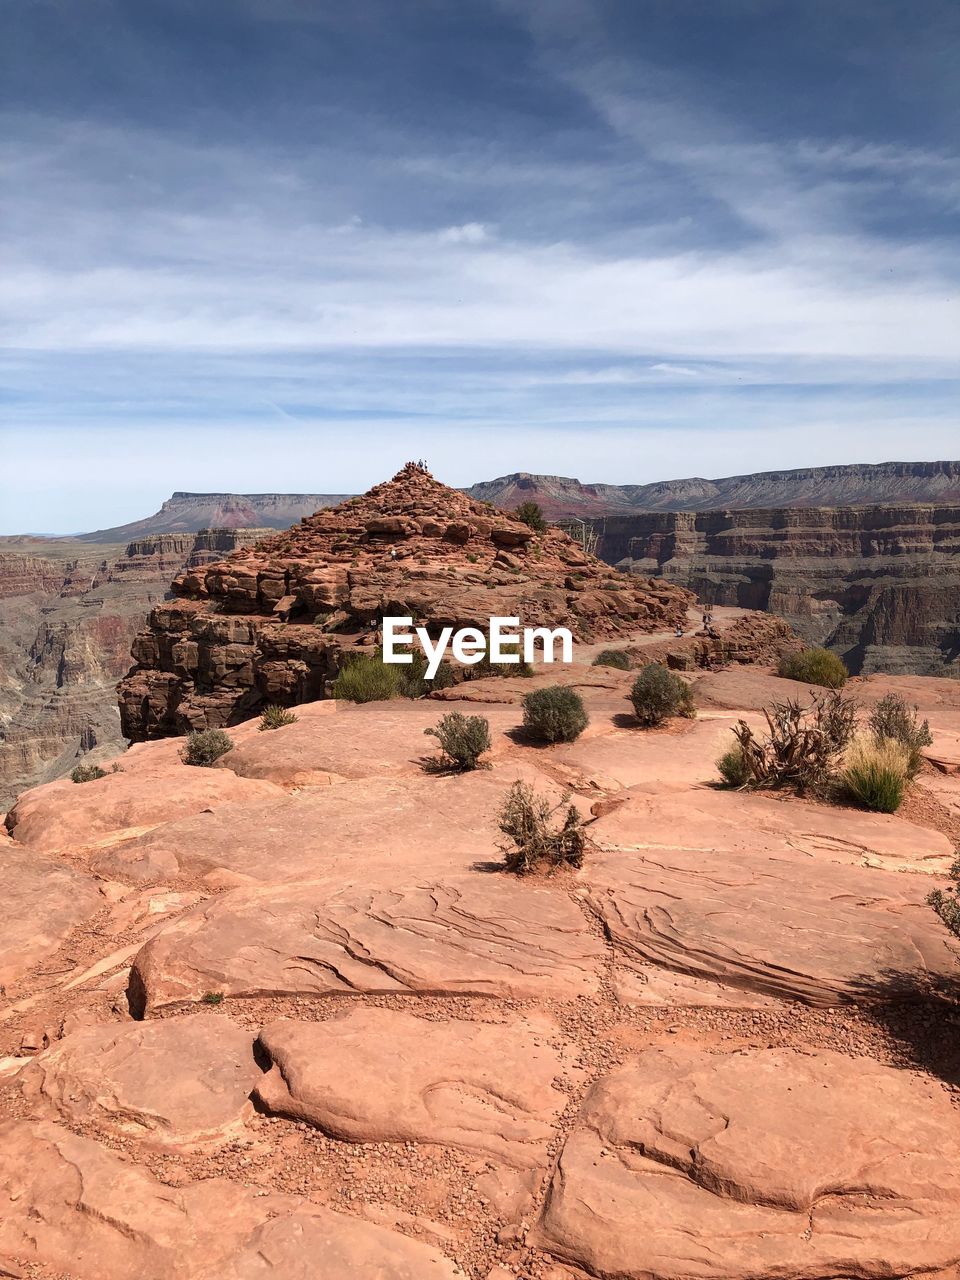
[286, 245]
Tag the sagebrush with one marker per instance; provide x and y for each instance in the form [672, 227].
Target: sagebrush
[205, 746]
[657, 694]
[365, 677]
[803, 744]
[947, 903]
[613, 658]
[89, 773]
[463, 739]
[814, 666]
[525, 819]
[733, 768]
[554, 714]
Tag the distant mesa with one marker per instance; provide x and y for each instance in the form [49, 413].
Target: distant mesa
[191, 512]
[853, 485]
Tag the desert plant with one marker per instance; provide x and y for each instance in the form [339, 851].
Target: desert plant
[531, 514]
[802, 745]
[658, 694]
[733, 768]
[525, 817]
[212, 997]
[88, 773]
[555, 714]
[205, 746]
[875, 774]
[365, 677]
[274, 717]
[814, 666]
[947, 904]
[892, 718]
[463, 739]
[613, 658]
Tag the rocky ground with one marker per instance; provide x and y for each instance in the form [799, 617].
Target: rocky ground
[288, 1016]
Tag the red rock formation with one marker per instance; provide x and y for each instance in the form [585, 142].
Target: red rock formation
[270, 623]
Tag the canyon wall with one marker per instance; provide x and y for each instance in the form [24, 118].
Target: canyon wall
[68, 617]
[880, 585]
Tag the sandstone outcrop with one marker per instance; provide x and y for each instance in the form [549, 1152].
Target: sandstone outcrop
[69, 612]
[785, 1165]
[478, 936]
[476, 1085]
[878, 584]
[334, 1038]
[69, 1203]
[178, 1082]
[272, 624]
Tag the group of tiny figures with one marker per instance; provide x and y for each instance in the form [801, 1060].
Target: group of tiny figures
[707, 626]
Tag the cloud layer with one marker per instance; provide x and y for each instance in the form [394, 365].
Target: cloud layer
[624, 241]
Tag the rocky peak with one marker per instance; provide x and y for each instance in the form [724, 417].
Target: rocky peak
[270, 623]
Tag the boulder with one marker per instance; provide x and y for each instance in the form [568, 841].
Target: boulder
[791, 927]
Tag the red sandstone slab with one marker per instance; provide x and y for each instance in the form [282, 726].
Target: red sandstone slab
[378, 1075]
[175, 1082]
[40, 902]
[73, 1206]
[760, 1165]
[483, 935]
[791, 927]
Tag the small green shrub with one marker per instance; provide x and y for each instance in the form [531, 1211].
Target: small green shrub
[733, 768]
[463, 739]
[88, 773]
[613, 658]
[947, 905]
[658, 694]
[531, 514]
[555, 714]
[524, 818]
[892, 718]
[205, 746]
[875, 774]
[814, 666]
[274, 717]
[212, 997]
[365, 677]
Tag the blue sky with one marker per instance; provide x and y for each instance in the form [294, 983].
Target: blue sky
[287, 244]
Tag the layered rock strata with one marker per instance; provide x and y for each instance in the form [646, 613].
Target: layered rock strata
[880, 585]
[68, 616]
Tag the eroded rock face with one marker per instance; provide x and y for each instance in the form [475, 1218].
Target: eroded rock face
[475, 1085]
[271, 624]
[68, 1203]
[482, 935]
[758, 1165]
[176, 1082]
